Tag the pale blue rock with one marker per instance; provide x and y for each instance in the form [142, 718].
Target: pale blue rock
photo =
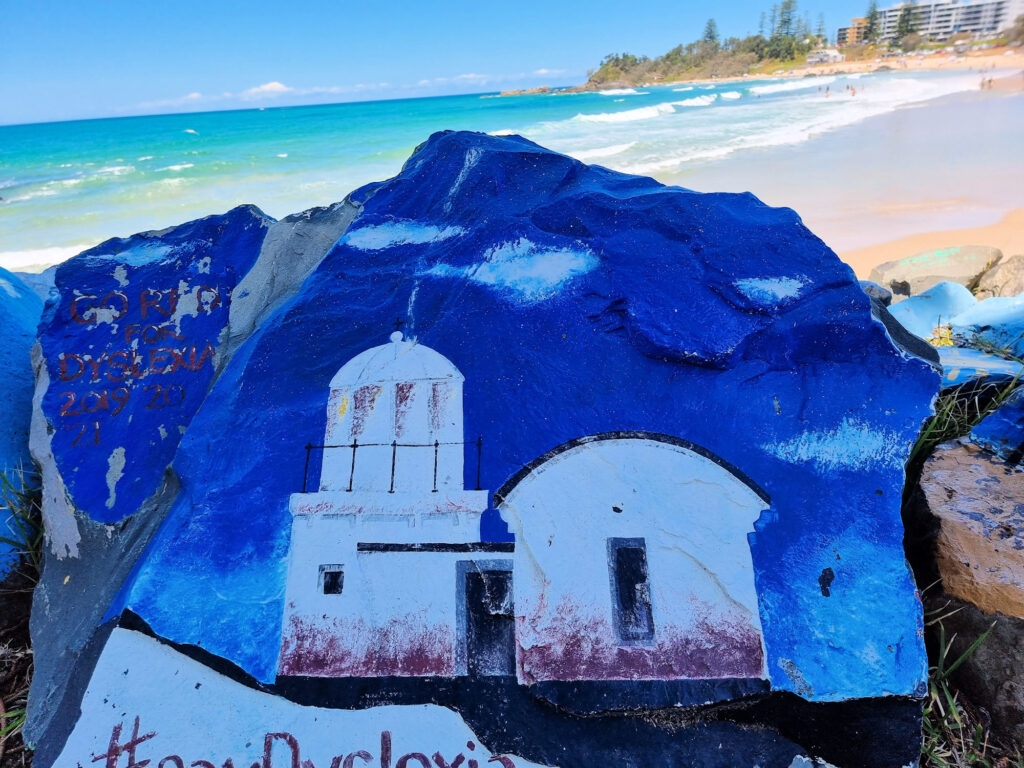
[961, 365]
[921, 314]
[997, 321]
[20, 308]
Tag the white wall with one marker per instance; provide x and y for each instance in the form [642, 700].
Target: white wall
[694, 515]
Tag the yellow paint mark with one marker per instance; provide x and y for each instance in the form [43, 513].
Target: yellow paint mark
[67, 578]
[342, 406]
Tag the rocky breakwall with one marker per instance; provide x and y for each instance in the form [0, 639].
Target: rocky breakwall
[570, 465]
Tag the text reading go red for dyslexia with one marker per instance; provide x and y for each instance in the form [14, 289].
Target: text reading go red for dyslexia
[153, 346]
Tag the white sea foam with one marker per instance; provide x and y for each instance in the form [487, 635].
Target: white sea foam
[809, 116]
[792, 85]
[696, 101]
[629, 115]
[40, 258]
[144, 157]
[529, 271]
[193, 131]
[380, 236]
[592, 154]
[622, 92]
[282, 154]
[116, 170]
[683, 90]
[732, 95]
[179, 167]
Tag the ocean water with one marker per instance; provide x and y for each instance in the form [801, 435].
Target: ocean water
[67, 186]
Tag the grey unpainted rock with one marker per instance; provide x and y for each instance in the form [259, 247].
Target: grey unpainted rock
[992, 677]
[916, 274]
[64, 615]
[291, 249]
[1004, 279]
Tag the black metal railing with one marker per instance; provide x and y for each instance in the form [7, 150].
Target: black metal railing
[395, 445]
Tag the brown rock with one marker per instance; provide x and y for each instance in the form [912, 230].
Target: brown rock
[916, 274]
[979, 503]
[1004, 279]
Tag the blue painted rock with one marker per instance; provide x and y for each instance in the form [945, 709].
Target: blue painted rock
[19, 314]
[924, 313]
[962, 365]
[915, 274]
[875, 291]
[136, 332]
[998, 322]
[536, 432]
[1002, 431]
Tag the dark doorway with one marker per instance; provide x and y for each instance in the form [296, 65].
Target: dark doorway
[631, 592]
[490, 623]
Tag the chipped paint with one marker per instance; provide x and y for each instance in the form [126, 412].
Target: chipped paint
[115, 472]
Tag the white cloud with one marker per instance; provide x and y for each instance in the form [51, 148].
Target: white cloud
[543, 71]
[180, 101]
[272, 89]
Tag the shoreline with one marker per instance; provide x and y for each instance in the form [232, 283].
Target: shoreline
[1007, 235]
[994, 58]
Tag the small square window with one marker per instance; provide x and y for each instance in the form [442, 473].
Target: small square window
[332, 579]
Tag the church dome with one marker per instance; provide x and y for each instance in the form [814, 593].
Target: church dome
[398, 360]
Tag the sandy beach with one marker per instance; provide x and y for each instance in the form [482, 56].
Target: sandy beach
[933, 175]
[993, 58]
[1007, 235]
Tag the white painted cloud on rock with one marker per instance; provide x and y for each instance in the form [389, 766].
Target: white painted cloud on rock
[381, 236]
[532, 272]
[852, 445]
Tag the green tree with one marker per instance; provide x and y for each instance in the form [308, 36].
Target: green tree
[773, 25]
[905, 23]
[787, 16]
[821, 27]
[760, 27]
[710, 32]
[871, 32]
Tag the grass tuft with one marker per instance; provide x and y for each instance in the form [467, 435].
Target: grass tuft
[20, 506]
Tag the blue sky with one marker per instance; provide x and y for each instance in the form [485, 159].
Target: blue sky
[70, 59]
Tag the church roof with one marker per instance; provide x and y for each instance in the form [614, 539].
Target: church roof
[398, 360]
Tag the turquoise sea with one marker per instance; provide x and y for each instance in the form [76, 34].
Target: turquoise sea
[67, 186]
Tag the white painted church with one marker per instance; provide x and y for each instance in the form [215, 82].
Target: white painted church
[631, 559]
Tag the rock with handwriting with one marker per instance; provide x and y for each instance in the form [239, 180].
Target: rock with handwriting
[567, 454]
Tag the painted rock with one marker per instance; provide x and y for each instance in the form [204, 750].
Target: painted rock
[916, 274]
[996, 322]
[136, 332]
[20, 308]
[961, 365]
[925, 314]
[1002, 431]
[978, 501]
[875, 291]
[552, 457]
